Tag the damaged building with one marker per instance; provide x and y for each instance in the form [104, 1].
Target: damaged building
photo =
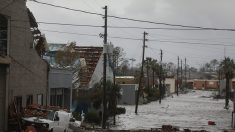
[23, 74]
[69, 80]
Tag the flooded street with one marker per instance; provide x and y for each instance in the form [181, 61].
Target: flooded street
[192, 110]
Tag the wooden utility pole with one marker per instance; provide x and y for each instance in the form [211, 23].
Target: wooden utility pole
[189, 76]
[177, 87]
[141, 75]
[160, 80]
[104, 69]
[181, 73]
[185, 70]
[114, 86]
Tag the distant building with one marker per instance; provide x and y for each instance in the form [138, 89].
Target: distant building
[170, 85]
[205, 84]
[128, 92]
[125, 79]
[23, 74]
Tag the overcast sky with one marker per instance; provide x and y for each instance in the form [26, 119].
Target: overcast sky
[205, 13]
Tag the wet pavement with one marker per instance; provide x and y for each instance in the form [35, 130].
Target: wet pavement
[192, 110]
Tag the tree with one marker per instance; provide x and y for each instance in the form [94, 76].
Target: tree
[228, 67]
[67, 56]
[148, 60]
[118, 55]
[214, 64]
[155, 68]
[124, 67]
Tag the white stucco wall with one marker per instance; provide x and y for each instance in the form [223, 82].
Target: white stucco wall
[171, 83]
[98, 73]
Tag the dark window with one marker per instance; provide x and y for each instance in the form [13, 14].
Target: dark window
[29, 100]
[3, 35]
[18, 101]
[40, 99]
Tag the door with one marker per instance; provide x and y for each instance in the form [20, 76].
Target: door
[2, 95]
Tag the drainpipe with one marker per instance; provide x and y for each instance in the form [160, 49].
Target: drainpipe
[71, 97]
[47, 87]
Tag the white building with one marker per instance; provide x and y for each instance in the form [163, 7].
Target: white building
[170, 86]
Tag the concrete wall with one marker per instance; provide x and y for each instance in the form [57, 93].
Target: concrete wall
[128, 94]
[125, 79]
[98, 73]
[170, 85]
[205, 84]
[60, 84]
[27, 71]
[60, 78]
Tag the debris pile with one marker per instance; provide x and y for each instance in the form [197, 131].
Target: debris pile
[40, 111]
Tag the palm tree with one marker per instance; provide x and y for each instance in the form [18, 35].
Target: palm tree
[148, 60]
[154, 66]
[228, 67]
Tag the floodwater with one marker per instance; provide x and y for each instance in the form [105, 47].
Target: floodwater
[192, 110]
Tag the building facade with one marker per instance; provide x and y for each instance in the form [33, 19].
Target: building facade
[170, 86]
[60, 87]
[23, 74]
[205, 84]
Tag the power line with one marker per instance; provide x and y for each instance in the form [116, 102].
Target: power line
[163, 41]
[137, 20]
[93, 35]
[119, 27]
[67, 24]
[137, 39]
[192, 43]
[67, 8]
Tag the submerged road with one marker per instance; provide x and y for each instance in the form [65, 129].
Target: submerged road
[192, 110]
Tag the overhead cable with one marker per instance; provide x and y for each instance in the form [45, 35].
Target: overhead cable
[136, 20]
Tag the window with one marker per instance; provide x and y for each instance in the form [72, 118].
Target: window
[18, 101]
[29, 100]
[40, 99]
[3, 35]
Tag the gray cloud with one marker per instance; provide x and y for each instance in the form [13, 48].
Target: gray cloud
[207, 13]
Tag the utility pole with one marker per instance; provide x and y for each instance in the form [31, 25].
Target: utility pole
[141, 75]
[160, 80]
[104, 69]
[185, 70]
[181, 77]
[177, 87]
[189, 76]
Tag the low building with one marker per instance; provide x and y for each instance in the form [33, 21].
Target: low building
[125, 79]
[170, 86]
[128, 92]
[205, 84]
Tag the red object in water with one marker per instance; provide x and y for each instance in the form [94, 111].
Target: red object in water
[211, 123]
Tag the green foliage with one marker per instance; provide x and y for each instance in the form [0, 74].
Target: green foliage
[92, 117]
[153, 93]
[121, 110]
[77, 115]
[228, 67]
